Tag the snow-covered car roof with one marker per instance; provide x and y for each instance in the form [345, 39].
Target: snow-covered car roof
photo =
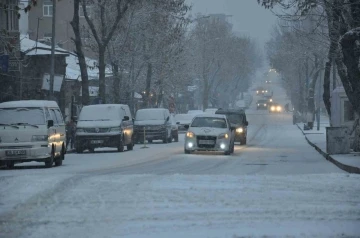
[211, 115]
[28, 103]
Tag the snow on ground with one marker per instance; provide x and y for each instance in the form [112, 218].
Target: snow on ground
[193, 206]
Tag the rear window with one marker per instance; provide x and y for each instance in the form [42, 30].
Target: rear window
[105, 113]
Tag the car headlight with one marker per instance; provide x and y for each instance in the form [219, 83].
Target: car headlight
[265, 104]
[223, 136]
[240, 130]
[270, 100]
[257, 91]
[39, 138]
[272, 108]
[190, 134]
[79, 130]
[278, 108]
[115, 129]
[266, 91]
[258, 104]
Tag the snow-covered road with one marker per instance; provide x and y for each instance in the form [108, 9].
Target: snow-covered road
[277, 185]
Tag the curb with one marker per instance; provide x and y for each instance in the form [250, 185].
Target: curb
[347, 168]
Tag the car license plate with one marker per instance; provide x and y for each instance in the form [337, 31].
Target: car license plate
[206, 142]
[15, 152]
[96, 141]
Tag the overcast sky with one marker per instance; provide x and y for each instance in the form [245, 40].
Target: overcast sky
[248, 17]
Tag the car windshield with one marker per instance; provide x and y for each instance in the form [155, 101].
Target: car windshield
[150, 114]
[96, 113]
[33, 116]
[262, 101]
[209, 122]
[235, 118]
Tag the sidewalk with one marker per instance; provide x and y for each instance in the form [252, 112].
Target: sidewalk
[317, 138]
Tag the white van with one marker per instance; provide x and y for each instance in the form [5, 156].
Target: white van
[31, 130]
[104, 125]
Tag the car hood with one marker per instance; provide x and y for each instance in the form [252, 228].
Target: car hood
[208, 131]
[98, 124]
[149, 123]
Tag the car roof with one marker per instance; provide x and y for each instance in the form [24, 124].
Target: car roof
[107, 105]
[28, 103]
[211, 115]
[230, 111]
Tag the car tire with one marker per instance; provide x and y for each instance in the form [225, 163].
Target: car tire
[150, 141]
[177, 138]
[91, 150]
[187, 152]
[227, 152]
[232, 148]
[50, 161]
[130, 146]
[59, 161]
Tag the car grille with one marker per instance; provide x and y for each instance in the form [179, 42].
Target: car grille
[16, 147]
[209, 138]
[96, 130]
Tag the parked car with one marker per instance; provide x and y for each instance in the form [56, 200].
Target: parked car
[210, 110]
[210, 133]
[174, 129]
[32, 130]
[104, 125]
[153, 124]
[276, 108]
[182, 120]
[262, 104]
[195, 112]
[237, 119]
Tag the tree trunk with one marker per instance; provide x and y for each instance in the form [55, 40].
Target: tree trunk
[326, 94]
[85, 99]
[148, 85]
[206, 93]
[102, 83]
[116, 83]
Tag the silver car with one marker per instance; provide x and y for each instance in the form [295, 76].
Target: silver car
[209, 133]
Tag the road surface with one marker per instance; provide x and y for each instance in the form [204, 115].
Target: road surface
[276, 185]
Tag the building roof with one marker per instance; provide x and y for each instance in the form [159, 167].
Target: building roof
[30, 48]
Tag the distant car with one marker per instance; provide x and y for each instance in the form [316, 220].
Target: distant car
[276, 108]
[237, 118]
[174, 129]
[268, 81]
[210, 110]
[182, 120]
[262, 104]
[261, 91]
[195, 112]
[153, 124]
[210, 133]
[269, 99]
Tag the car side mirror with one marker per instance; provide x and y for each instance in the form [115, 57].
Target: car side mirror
[246, 123]
[178, 123]
[50, 123]
[186, 126]
[126, 118]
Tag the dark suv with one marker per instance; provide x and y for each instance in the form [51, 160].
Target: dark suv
[237, 118]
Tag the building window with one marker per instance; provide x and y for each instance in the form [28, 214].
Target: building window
[81, 12]
[349, 114]
[9, 17]
[47, 8]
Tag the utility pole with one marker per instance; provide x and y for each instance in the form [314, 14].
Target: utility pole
[52, 67]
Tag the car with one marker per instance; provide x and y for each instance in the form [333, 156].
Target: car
[104, 125]
[268, 81]
[237, 119]
[32, 130]
[210, 132]
[276, 108]
[261, 91]
[174, 129]
[153, 124]
[195, 112]
[210, 110]
[182, 120]
[262, 104]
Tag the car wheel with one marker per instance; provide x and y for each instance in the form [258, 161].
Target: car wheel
[187, 151]
[227, 152]
[150, 141]
[91, 150]
[50, 161]
[130, 146]
[177, 138]
[59, 161]
[10, 164]
[233, 148]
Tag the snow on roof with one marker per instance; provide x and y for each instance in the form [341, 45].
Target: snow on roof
[211, 115]
[29, 47]
[29, 103]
